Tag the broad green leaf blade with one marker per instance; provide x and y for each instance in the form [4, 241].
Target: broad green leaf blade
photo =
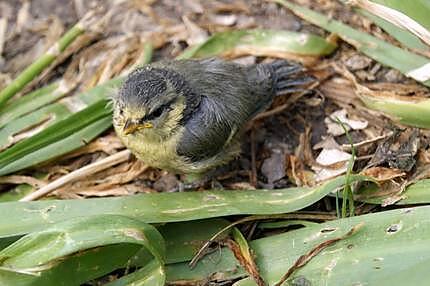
[406, 38]
[379, 50]
[76, 269]
[285, 224]
[403, 24]
[164, 207]
[38, 252]
[38, 249]
[406, 110]
[392, 248]
[151, 275]
[184, 239]
[260, 42]
[417, 193]
[418, 9]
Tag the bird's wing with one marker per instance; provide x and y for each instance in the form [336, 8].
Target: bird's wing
[221, 87]
[229, 94]
[207, 132]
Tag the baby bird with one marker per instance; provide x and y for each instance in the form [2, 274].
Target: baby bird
[186, 116]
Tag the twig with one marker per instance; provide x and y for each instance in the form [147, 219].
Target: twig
[78, 174]
[305, 258]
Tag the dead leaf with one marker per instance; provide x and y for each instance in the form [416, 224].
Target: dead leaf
[334, 128]
[274, 166]
[399, 150]
[330, 163]
[247, 261]
[382, 174]
[17, 180]
[196, 35]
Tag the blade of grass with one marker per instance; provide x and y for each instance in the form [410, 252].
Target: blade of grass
[347, 194]
[33, 121]
[32, 101]
[61, 147]
[182, 239]
[165, 207]
[24, 113]
[407, 110]
[406, 38]
[406, 62]
[417, 9]
[53, 133]
[46, 59]
[395, 17]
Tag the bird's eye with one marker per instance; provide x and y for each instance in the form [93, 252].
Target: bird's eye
[157, 113]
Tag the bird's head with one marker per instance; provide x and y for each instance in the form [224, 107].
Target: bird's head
[148, 104]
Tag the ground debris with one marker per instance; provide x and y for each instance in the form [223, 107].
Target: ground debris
[398, 151]
[287, 138]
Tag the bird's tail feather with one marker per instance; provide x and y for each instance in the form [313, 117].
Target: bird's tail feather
[290, 77]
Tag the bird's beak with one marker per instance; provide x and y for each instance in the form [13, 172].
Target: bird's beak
[131, 127]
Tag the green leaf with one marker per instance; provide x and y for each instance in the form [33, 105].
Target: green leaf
[164, 207]
[28, 103]
[52, 135]
[416, 193]
[406, 110]
[151, 275]
[73, 141]
[260, 42]
[184, 239]
[40, 64]
[406, 38]
[418, 9]
[285, 224]
[38, 252]
[29, 111]
[377, 49]
[380, 253]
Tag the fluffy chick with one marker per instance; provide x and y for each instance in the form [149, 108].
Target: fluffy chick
[186, 116]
